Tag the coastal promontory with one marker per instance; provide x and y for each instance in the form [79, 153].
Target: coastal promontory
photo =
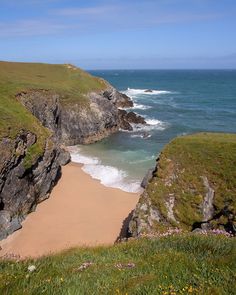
[192, 187]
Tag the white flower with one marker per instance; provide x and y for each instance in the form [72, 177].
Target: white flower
[31, 268]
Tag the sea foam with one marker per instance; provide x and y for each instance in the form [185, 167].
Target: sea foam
[141, 106]
[136, 92]
[152, 124]
[108, 176]
[137, 106]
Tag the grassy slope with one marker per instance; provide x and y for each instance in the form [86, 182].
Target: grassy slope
[72, 83]
[190, 157]
[171, 265]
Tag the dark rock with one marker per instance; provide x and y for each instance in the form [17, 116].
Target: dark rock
[45, 106]
[124, 124]
[22, 188]
[120, 100]
[89, 124]
[128, 118]
[147, 178]
[131, 117]
[148, 91]
[64, 158]
[73, 124]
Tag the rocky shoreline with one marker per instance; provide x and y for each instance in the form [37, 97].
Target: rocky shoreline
[25, 182]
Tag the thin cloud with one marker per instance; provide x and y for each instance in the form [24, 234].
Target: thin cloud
[135, 14]
[31, 28]
[183, 18]
[87, 11]
[77, 20]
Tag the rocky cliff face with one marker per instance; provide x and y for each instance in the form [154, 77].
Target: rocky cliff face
[81, 123]
[192, 187]
[24, 183]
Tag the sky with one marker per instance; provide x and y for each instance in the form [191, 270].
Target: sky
[124, 34]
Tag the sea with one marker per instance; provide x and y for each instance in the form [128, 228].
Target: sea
[180, 102]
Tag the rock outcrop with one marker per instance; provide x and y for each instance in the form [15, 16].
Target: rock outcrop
[191, 188]
[26, 179]
[119, 99]
[77, 123]
[126, 119]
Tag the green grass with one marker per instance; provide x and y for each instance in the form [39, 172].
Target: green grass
[185, 264]
[188, 159]
[70, 82]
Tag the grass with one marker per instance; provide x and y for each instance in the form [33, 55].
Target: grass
[70, 82]
[181, 264]
[183, 163]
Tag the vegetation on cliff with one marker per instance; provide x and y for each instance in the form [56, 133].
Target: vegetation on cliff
[70, 82]
[194, 185]
[30, 153]
[179, 264]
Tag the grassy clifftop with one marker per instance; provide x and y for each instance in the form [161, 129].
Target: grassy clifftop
[70, 82]
[185, 264]
[191, 167]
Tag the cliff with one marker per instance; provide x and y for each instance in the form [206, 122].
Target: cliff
[192, 188]
[42, 108]
[25, 179]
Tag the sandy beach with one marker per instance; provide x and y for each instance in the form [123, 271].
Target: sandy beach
[79, 212]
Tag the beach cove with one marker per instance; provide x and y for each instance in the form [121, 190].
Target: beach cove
[79, 212]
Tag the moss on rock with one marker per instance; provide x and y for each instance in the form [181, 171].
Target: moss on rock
[190, 169]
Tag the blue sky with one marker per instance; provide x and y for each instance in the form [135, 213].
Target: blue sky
[93, 34]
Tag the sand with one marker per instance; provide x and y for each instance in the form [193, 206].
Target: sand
[79, 212]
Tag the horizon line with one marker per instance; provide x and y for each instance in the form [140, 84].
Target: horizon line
[164, 69]
[123, 69]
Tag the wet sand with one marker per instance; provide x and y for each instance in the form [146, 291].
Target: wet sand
[79, 212]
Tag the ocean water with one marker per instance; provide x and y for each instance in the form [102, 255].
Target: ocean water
[181, 102]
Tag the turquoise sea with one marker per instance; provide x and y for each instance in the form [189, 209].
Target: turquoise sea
[182, 102]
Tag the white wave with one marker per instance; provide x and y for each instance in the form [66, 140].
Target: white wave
[144, 136]
[154, 122]
[137, 107]
[77, 157]
[108, 176]
[111, 177]
[141, 107]
[135, 92]
[141, 127]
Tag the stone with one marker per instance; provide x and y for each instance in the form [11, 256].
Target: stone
[148, 176]
[128, 118]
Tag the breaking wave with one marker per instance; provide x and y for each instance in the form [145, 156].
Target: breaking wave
[135, 92]
[108, 176]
